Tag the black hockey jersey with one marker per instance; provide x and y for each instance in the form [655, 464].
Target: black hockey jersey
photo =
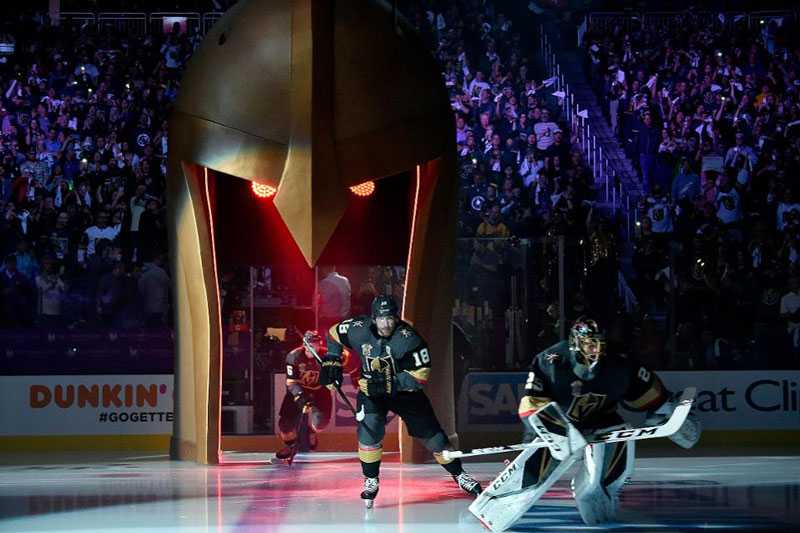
[405, 352]
[590, 403]
[302, 372]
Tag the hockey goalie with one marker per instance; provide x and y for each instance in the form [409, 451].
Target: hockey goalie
[569, 409]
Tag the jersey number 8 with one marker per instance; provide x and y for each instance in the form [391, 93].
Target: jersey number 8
[421, 357]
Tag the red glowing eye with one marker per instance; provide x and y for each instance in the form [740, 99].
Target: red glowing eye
[262, 190]
[363, 189]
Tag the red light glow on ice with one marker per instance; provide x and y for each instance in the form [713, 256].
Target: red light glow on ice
[363, 189]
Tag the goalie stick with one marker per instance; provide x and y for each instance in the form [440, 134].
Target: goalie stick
[649, 432]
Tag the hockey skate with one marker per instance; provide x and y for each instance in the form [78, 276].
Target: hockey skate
[370, 491]
[285, 455]
[468, 484]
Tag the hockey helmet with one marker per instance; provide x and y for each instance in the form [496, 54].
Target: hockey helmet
[385, 314]
[384, 305]
[315, 340]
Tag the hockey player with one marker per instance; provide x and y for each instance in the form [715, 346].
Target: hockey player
[395, 365]
[303, 391]
[588, 380]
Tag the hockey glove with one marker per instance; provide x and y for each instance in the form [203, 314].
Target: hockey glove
[331, 373]
[302, 399]
[376, 384]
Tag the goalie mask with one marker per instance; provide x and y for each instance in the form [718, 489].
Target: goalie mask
[587, 345]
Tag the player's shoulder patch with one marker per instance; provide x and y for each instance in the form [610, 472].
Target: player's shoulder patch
[551, 357]
[407, 335]
[406, 330]
[354, 327]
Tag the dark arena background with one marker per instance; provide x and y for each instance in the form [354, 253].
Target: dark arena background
[188, 187]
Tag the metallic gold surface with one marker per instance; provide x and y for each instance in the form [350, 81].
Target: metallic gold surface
[311, 97]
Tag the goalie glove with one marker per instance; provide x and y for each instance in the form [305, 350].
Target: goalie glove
[688, 434]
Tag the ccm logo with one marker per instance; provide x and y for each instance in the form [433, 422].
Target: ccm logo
[505, 476]
[627, 433]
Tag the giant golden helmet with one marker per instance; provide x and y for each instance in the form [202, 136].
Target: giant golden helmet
[311, 98]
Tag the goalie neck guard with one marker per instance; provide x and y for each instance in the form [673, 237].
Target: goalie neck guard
[587, 345]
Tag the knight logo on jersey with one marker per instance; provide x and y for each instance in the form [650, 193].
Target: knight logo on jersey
[309, 378]
[583, 404]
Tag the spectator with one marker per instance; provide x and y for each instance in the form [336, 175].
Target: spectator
[647, 143]
[686, 184]
[334, 297]
[492, 225]
[790, 312]
[545, 131]
[659, 211]
[101, 230]
[111, 292]
[51, 292]
[17, 302]
[154, 291]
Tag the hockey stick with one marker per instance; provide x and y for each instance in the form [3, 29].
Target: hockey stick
[672, 425]
[358, 415]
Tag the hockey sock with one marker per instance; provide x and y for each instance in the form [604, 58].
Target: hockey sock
[452, 466]
[370, 457]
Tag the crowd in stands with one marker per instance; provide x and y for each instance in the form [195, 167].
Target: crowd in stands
[710, 113]
[83, 118]
[519, 173]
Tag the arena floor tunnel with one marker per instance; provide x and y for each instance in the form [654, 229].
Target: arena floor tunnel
[307, 99]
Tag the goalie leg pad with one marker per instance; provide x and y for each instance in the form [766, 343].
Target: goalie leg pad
[603, 472]
[519, 486]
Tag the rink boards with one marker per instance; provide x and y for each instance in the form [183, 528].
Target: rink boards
[726, 400]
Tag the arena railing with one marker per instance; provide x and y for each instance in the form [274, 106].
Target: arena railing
[79, 17]
[134, 23]
[604, 174]
[141, 23]
[667, 20]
